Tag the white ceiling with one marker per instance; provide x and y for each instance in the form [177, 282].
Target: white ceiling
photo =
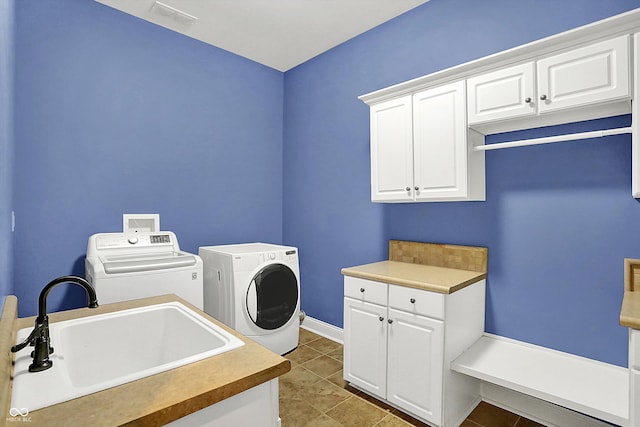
[278, 33]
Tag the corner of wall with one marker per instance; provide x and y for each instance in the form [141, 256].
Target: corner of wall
[6, 145]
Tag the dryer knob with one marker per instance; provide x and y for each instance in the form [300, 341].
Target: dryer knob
[133, 240]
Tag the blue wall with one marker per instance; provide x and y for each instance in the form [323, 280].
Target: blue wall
[6, 147]
[116, 115]
[558, 220]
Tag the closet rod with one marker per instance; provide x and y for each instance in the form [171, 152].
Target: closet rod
[549, 139]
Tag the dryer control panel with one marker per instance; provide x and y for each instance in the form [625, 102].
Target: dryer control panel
[288, 255]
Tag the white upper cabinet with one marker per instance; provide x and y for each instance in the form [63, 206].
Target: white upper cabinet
[392, 150]
[440, 143]
[501, 94]
[426, 133]
[419, 148]
[584, 76]
[570, 82]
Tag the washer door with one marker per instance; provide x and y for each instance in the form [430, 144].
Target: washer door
[272, 296]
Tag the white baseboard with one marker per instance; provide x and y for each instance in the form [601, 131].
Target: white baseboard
[324, 329]
[536, 409]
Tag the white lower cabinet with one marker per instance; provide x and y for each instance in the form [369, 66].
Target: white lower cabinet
[414, 373]
[399, 342]
[258, 406]
[366, 364]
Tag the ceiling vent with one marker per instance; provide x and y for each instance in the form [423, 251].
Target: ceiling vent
[169, 14]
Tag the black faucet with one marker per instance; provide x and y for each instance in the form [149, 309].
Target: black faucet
[40, 334]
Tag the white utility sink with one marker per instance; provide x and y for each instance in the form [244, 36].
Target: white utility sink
[102, 351]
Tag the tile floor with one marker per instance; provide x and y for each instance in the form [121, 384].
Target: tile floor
[313, 394]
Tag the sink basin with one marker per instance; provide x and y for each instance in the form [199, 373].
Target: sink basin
[102, 351]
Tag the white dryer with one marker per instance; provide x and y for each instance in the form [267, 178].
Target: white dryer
[255, 289]
[125, 266]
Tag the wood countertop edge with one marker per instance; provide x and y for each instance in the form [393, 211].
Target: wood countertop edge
[169, 395]
[423, 285]
[630, 311]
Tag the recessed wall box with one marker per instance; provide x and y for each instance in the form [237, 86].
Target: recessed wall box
[140, 222]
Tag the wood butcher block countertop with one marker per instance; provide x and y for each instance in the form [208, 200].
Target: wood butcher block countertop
[161, 398]
[427, 277]
[428, 266]
[630, 311]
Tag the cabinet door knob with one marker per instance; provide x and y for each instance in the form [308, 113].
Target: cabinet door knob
[412, 300]
[408, 188]
[543, 97]
[390, 321]
[361, 289]
[416, 188]
[527, 100]
[381, 318]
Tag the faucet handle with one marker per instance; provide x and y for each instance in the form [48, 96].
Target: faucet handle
[31, 339]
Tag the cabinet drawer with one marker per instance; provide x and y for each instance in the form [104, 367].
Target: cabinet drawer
[365, 290]
[417, 301]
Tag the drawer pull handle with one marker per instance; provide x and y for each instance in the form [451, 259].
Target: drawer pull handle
[361, 289]
[381, 318]
[412, 300]
[390, 321]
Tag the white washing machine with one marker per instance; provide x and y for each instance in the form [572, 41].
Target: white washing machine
[255, 289]
[126, 266]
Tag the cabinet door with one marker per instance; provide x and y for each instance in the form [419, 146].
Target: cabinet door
[584, 76]
[365, 346]
[391, 150]
[415, 365]
[501, 94]
[440, 142]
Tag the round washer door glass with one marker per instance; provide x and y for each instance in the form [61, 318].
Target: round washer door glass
[272, 296]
